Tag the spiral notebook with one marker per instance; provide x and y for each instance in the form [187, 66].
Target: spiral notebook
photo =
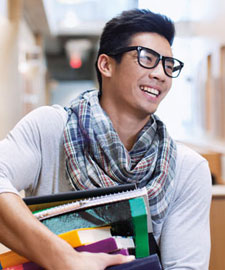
[93, 202]
[46, 201]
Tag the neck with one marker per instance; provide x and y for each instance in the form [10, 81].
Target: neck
[127, 129]
[126, 125]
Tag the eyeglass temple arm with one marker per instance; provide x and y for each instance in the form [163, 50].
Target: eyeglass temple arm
[177, 68]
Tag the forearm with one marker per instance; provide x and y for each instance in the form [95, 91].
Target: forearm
[23, 233]
[20, 231]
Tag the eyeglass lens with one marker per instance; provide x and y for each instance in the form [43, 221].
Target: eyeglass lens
[149, 59]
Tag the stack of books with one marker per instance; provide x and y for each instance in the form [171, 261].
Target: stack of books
[113, 220]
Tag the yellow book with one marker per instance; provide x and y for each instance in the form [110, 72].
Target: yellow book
[75, 238]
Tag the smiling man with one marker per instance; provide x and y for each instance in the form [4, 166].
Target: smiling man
[111, 137]
[133, 89]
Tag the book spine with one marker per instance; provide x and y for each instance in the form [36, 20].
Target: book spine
[122, 251]
[106, 246]
[139, 218]
[44, 201]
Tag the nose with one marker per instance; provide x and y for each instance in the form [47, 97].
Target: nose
[158, 72]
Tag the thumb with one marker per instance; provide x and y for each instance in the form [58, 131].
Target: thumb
[118, 259]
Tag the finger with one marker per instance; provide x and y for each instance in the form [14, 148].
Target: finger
[118, 259]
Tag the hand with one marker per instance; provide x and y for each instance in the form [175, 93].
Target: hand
[95, 261]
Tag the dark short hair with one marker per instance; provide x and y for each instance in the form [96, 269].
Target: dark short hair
[119, 31]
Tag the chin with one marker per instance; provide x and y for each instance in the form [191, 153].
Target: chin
[152, 111]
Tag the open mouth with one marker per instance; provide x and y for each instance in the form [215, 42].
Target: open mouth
[151, 91]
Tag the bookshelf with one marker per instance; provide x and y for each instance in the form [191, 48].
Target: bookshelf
[214, 112]
[208, 95]
[212, 98]
[212, 147]
[222, 91]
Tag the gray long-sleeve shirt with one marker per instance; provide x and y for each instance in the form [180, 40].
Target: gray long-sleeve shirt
[32, 158]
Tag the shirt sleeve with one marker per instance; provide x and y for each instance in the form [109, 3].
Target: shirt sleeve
[185, 236]
[20, 154]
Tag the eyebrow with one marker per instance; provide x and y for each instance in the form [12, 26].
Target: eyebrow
[169, 59]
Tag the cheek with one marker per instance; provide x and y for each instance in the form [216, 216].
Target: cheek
[169, 84]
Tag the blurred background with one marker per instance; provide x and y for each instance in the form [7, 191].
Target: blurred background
[48, 49]
[47, 55]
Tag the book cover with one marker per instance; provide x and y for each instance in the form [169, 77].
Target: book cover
[151, 262]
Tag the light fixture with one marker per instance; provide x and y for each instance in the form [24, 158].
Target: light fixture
[77, 50]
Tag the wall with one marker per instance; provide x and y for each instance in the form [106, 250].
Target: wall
[22, 67]
[10, 108]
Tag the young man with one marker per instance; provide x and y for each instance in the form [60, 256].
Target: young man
[110, 138]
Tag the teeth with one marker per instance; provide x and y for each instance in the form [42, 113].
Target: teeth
[150, 90]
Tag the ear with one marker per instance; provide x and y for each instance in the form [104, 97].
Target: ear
[105, 65]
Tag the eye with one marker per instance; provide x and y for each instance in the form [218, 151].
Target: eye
[169, 65]
[147, 58]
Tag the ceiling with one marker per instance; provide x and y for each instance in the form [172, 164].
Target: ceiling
[35, 15]
[60, 21]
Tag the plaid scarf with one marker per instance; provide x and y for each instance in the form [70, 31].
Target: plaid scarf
[95, 156]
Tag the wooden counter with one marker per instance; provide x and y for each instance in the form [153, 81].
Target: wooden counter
[217, 224]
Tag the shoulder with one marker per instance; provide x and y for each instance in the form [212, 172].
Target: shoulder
[45, 121]
[48, 114]
[192, 173]
[45, 118]
[189, 161]
[186, 155]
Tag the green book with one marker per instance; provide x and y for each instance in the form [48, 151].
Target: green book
[140, 224]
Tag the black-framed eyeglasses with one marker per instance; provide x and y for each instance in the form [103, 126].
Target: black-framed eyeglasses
[148, 58]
